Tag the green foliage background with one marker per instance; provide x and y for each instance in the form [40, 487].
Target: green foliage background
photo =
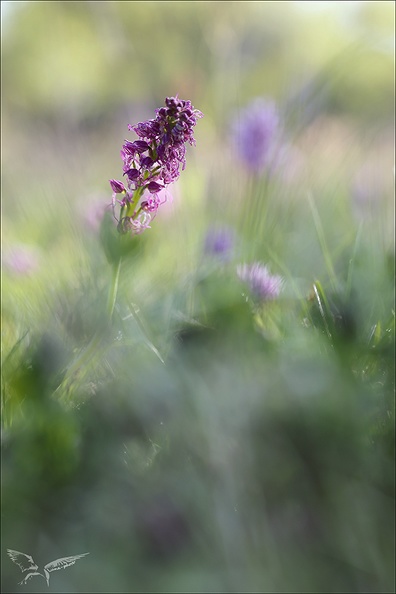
[208, 446]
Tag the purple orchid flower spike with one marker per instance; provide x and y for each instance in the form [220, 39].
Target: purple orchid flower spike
[153, 162]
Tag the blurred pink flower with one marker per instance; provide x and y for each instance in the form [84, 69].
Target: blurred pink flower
[166, 198]
[368, 189]
[21, 259]
[92, 211]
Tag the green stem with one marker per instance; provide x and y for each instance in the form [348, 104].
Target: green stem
[113, 289]
[85, 356]
[91, 348]
[131, 206]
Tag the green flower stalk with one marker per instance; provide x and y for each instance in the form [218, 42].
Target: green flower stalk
[150, 164]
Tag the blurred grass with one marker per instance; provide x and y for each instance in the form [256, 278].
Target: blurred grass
[259, 455]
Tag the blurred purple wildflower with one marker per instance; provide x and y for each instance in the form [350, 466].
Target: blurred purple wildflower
[255, 134]
[263, 285]
[153, 162]
[219, 241]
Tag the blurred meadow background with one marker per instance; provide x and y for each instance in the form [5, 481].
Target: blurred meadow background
[218, 439]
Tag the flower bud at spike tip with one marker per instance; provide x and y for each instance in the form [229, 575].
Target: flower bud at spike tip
[117, 186]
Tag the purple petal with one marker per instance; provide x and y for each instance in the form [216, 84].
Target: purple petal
[117, 186]
[132, 174]
[147, 162]
[154, 187]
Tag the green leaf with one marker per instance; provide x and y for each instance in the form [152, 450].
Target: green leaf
[116, 245]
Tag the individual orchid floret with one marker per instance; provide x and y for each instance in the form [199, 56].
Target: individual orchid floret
[117, 186]
[256, 134]
[153, 161]
[137, 225]
[261, 282]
